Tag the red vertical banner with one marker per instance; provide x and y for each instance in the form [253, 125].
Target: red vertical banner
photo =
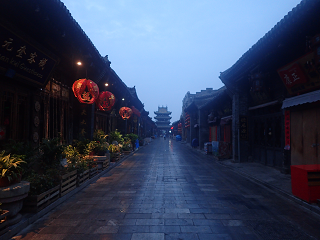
[287, 129]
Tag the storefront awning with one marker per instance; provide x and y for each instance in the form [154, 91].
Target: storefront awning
[264, 105]
[226, 120]
[301, 99]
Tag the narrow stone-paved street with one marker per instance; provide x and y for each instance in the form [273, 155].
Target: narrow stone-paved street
[168, 191]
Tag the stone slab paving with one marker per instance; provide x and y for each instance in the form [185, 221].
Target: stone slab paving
[167, 191]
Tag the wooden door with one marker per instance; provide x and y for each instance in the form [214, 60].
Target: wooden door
[305, 137]
[213, 133]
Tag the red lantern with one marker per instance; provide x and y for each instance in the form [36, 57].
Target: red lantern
[125, 113]
[105, 101]
[86, 90]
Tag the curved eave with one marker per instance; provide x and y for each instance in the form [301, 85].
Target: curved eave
[167, 113]
[163, 118]
[277, 33]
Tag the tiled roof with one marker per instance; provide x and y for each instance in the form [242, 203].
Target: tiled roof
[202, 98]
[218, 93]
[77, 26]
[288, 21]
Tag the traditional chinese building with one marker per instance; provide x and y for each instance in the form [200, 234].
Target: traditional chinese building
[207, 118]
[275, 100]
[162, 119]
[40, 44]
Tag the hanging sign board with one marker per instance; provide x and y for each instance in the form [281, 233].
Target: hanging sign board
[18, 57]
[301, 75]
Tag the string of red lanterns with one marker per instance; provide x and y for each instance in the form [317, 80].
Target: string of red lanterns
[87, 91]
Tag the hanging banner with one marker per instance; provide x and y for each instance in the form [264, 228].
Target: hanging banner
[287, 129]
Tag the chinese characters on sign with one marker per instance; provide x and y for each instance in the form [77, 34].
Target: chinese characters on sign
[20, 57]
[293, 76]
[83, 122]
[302, 74]
[287, 129]
[243, 128]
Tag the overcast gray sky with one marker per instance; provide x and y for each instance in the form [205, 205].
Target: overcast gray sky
[169, 47]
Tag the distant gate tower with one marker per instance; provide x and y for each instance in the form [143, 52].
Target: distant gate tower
[162, 119]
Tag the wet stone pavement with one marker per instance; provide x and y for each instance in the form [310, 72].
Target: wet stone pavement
[168, 191]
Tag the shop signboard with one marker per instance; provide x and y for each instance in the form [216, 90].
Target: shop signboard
[19, 57]
[301, 75]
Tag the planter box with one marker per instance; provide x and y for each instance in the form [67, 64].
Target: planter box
[115, 157]
[39, 202]
[126, 152]
[94, 171]
[83, 177]
[68, 182]
[103, 165]
[102, 162]
[3, 223]
[3, 216]
[12, 198]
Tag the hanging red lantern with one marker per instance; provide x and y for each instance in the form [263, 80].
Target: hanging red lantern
[125, 113]
[86, 90]
[105, 101]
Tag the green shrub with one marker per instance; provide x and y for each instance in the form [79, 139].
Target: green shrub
[10, 166]
[40, 183]
[50, 153]
[115, 136]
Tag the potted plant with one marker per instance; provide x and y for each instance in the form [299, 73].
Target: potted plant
[44, 189]
[44, 175]
[100, 138]
[46, 167]
[27, 153]
[3, 214]
[11, 169]
[12, 191]
[126, 147]
[115, 137]
[50, 153]
[114, 152]
[133, 138]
